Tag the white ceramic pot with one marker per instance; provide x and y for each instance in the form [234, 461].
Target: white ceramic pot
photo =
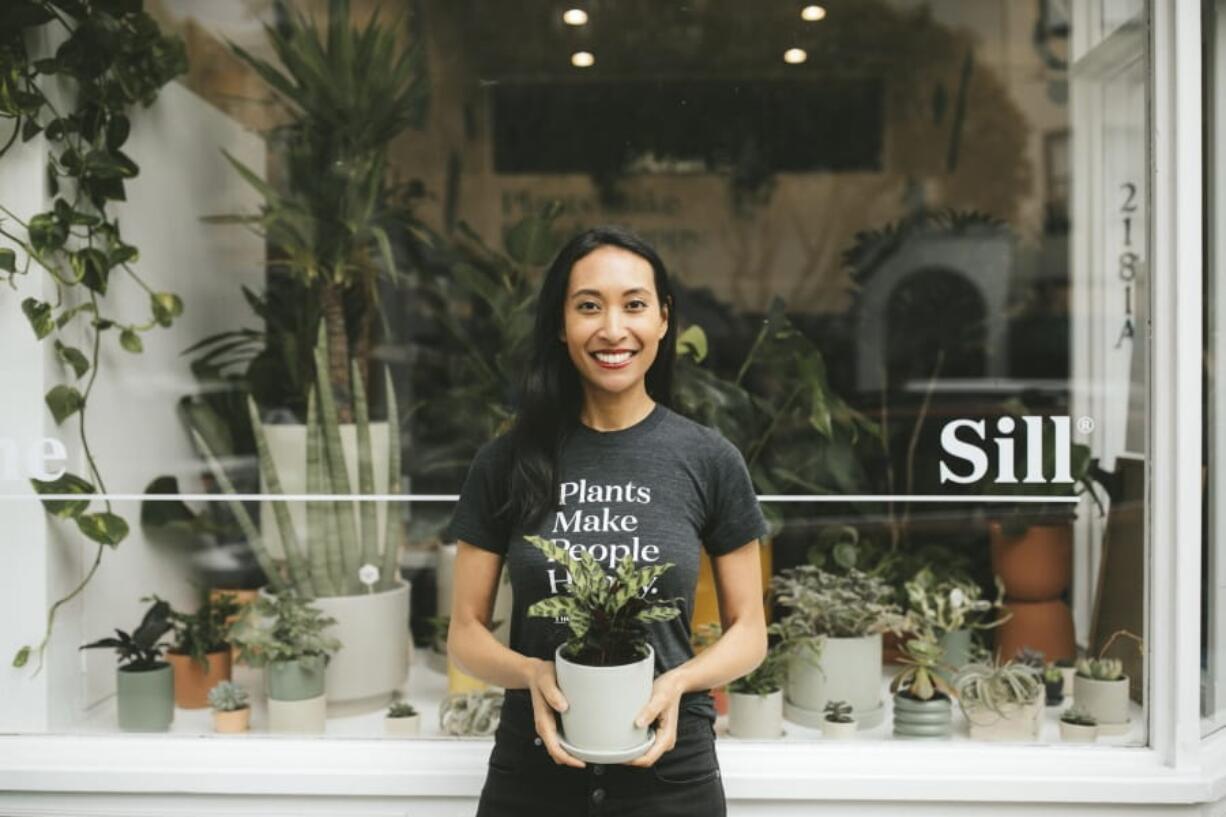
[839, 731]
[287, 444]
[603, 703]
[755, 717]
[1069, 673]
[849, 669]
[307, 716]
[1106, 701]
[373, 660]
[446, 582]
[1013, 722]
[1077, 733]
[403, 727]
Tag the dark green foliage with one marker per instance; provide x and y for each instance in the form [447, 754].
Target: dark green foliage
[140, 651]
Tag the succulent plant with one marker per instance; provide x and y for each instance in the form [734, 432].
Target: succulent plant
[1101, 669]
[1031, 658]
[920, 676]
[839, 712]
[471, 713]
[995, 685]
[401, 709]
[227, 696]
[1077, 716]
[607, 614]
[1052, 674]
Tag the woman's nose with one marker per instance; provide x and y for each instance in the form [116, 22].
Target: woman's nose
[613, 324]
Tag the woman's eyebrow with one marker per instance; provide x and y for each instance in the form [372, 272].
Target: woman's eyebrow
[598, 294]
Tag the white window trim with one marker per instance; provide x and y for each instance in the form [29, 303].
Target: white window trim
[1177, 767]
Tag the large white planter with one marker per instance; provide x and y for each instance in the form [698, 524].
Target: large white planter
[1107, 701]
[287, 444]
[373, 660]
[756, 717]
[446, 582]
[1014, 722]
[602, 705]
[849, 670]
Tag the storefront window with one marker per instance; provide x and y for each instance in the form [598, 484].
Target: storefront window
[910, 242]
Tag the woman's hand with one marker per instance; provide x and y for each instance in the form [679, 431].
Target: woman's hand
[663, 710]
[546, 698]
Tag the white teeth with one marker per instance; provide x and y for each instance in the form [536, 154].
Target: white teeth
[620, 357]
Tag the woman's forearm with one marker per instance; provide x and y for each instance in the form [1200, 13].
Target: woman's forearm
[473, 648]
[737, 652]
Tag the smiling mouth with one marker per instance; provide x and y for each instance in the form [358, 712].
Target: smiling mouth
[613, 360]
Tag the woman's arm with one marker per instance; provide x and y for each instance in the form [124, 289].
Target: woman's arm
[741, 648]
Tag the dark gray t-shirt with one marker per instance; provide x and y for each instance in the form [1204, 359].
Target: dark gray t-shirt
[658, 491]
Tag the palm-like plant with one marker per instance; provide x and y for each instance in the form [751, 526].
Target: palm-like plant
[607, 615]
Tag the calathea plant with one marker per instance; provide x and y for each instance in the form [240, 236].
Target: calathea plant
[110, 58]
[822, 604]
[607, 614]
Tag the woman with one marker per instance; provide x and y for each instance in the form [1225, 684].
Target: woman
[597, 458]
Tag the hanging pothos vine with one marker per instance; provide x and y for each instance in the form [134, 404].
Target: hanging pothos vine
[110, 56]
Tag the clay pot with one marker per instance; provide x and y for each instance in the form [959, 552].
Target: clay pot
[1036, 566]
[1046, 626]
[192, 683]
[720, 698]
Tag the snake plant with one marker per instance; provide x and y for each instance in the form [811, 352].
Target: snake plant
[338, 553]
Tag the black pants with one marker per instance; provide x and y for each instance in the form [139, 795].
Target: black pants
[523, 780]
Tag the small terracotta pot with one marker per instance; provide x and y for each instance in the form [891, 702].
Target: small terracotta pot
[1036, 566]
[236, 720]
[720, 697]
[192, 683]
[1046, 626]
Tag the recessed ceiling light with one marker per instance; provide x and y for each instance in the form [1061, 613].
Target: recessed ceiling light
[795, 56]
[813, 13]
[574, 17]
[582, 59]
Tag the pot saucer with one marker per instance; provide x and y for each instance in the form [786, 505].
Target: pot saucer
[617, 756]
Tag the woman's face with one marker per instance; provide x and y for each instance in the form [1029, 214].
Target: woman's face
[612, 321]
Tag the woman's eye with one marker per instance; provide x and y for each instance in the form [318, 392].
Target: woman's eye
[585, 304]
[638, 304]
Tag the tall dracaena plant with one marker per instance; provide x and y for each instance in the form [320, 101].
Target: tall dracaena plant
[348, 92]
[111, 57]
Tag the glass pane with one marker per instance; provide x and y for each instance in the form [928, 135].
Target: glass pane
[908, 246]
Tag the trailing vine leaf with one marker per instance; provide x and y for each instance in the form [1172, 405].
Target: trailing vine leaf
[73, 357]
[104, 528]
[64, 401]
[66, 484]
[131, 341]
[39, 315]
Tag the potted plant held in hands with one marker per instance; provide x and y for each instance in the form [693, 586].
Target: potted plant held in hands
[200, 655]
[922, 697]
[755, 701]
[231, 712]
[605, 670]
[144, 682]
[838, 721]
[284, 634]
[832, 633]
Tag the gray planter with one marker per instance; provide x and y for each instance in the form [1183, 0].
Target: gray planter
[957, 647]
[1107, 701]
[297, 680]
[598, 724]
[849, 670]
[756, 717]
[146, 699]
[922, 719]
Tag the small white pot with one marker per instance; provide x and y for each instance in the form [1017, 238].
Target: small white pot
[839, 731]
[1106, 701]
[1014, 722]
[307, 716]
[1069, 673]
[1077, 733]
[755, 717]
[603, 703]
[403, 727]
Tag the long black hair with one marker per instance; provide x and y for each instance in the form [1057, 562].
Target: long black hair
[550, 392]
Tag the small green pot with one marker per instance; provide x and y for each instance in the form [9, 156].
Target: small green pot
[956, 645]
[146, 698]
[922, 719]
[295, 680]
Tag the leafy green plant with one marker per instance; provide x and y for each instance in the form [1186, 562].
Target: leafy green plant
[141, 650]
[283, 627]
[921, 675]
[471, 713]
[205, 631]
[766, 678]
[341, 552]
[1052, 675]
[111, 57]
[836, 605]
[401, 709]
[995, 686]
[944, 605]
[839, 712]
[1077, 716]
[1032, 658]
[227, 696]
[1101, 668]
[607, 615]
